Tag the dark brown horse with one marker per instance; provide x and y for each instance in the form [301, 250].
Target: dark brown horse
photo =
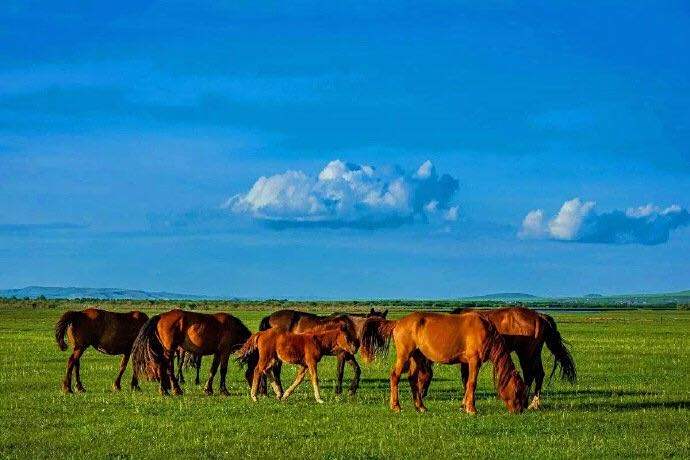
[106, 331]
[218, 334]
[525, 332]
[277, 345]
[299, 322]
[422, 338]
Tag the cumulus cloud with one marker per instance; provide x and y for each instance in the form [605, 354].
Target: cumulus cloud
[578, 221]
[350, 195]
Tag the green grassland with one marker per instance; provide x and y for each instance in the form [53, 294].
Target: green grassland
[632, 399]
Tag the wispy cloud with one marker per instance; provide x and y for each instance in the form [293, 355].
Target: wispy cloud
[350, 195]
[578, 221]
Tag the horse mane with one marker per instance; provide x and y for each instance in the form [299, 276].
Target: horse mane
[499, 355]
[376, 337]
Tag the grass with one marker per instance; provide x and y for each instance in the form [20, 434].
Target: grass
[632, 399]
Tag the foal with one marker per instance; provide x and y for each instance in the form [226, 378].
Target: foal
[277, 345]
[108, 332]
[301, 322]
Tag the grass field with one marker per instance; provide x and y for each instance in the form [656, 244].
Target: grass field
[632, 399]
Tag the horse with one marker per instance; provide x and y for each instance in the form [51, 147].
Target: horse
[299, 321]
[218, 334]
[525, 332]
[422, 338]
[278, 345]
[108, 332]
[187, 360]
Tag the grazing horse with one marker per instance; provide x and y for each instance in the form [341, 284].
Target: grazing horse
[299, 321]
[218, 334]
[421, 338]
[525, 332]
[108, 332]
[277, 345]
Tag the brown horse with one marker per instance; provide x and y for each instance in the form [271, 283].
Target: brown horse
[108, 332]
[421, 338]
[218, 334]
[299, 322]
[277, 345]
[525, 332]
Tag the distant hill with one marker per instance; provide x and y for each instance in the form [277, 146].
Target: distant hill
[504, 296]
[93, 293]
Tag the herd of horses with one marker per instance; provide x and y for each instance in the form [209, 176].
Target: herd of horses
[467, 337]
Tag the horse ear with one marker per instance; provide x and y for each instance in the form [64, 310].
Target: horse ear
[385, 313]
[371, 312]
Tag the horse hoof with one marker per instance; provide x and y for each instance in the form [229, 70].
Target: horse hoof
[396, 409]
[471, 411]
[421, 409]
[224, 392]
[208, 391]
[352, 393]
[178, 392]
[136, 388]
[164, 392]
[67, 390]
[320, 401]
[81, 389]
[535, 404]
[254, 398]
[116, 388]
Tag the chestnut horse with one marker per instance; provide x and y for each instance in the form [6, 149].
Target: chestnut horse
[277, 345]
[108, 332]
[422, 338]
[218, 334]
[299, 322]
[525, 332]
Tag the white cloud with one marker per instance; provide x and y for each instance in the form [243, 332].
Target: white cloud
[347, 194]
[578, 221]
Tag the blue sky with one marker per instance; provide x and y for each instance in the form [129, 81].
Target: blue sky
[133, 138]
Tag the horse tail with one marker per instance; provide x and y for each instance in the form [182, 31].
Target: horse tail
[147, 350]
[499, 355]
[65, 321]
[246, 353]
[265, 323]
[376, 337]
[561, 355]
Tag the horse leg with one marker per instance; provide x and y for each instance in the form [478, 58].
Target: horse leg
[223, 372]
[464, 374]
[77, 374]
[277, 389]
[123, 366]
[298, 379]
[314, 375]
[177, 390]
[473, 371]
[527, 365]
[163, 376]
[180, 356]
[401, 366]
[197, 363]
[259, 370]
[341, 371]
[538, 373]
[354, 384]
[208, 389]
[417, 378]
